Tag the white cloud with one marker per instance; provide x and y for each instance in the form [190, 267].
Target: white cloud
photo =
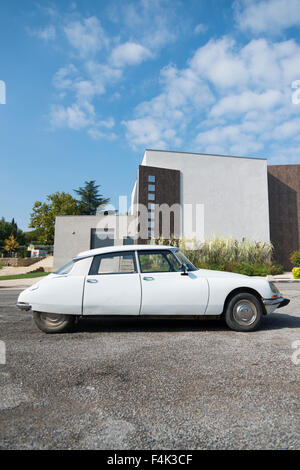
[46, 34]
[78, 117]
[129, 53]
[228, 139]
[247, 101]
[218, 62]
[238, 97]
[160, 119]
[86, 36]
[288, 129]
[108, 123]
[270, 16]
[72, 116]
[148, 132]
[200, 28]
[64, 77]
[96, 132]
[152, 23]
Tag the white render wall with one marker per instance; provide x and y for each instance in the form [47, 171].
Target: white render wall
[73, 233]
[233, 191]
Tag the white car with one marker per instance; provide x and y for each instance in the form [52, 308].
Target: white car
[146, 280]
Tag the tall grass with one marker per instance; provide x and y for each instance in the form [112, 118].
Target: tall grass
[221, 250]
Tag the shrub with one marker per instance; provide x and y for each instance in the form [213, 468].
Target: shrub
[244, 268]
[295, 258]
[261, 269]
[276, 269]
[240, 268]
[220, 251]
[296, 273]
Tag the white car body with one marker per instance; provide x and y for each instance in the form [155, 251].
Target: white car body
[193, 293]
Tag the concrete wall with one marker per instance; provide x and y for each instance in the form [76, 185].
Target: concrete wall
[233, 190]
[20, 261]
[73, 233]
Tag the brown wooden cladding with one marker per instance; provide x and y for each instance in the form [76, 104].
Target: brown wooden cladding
[284, 207]
[167, 189]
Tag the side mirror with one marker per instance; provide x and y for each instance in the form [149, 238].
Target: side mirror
[183, 268]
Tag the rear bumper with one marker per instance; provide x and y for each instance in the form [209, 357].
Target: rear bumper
[273, 304]
[23, 306]
[284, 303]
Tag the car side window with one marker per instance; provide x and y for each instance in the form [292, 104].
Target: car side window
[158, 261]
[113, 263]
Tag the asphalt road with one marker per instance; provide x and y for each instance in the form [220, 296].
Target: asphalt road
[141, 384]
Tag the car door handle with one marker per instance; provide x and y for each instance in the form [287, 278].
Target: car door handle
[92, 281]
[148, 278]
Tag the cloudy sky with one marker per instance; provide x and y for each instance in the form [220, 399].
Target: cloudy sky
[91, 84]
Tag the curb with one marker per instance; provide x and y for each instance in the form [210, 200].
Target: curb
[284, 280]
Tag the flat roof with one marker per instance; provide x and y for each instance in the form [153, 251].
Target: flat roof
[206, 154]
[117, 248]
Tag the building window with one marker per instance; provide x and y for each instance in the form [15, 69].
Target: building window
[151, 187]
[102, 237]
[151, 206]
[151, 197]
[151, 179]
[150, 215]
[128, 241]
[150, 223]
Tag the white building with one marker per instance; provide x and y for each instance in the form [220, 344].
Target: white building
[218, 195]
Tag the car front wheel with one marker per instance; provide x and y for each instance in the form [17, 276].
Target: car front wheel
[244, 312]
[53, 323]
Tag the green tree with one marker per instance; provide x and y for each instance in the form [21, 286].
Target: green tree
[32, 236]
[90, 199]
[10, 228]
[43, 214]
[11, 244]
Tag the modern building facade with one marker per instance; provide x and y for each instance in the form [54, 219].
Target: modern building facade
[218, 195]
[195, 196]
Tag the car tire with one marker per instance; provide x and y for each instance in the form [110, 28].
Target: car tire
[53, 323]
[244, 312]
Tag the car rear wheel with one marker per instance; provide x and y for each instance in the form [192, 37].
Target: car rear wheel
[53, 323]
[244, 312]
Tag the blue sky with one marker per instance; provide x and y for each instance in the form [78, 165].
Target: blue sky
[91, 84]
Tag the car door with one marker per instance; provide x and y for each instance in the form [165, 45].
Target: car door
[112, 286]
[166, 290]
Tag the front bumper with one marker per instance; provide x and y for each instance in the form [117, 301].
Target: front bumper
[23, 306]
[273, 304]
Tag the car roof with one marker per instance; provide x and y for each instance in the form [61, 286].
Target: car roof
[118, 248]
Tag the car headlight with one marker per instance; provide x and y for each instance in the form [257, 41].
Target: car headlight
[273, 288]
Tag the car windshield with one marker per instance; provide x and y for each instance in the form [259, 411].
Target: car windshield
[183, 259]
[65, 269]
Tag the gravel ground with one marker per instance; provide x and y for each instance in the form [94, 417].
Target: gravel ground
[141, 384]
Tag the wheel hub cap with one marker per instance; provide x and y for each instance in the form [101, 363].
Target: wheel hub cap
[245, 312]
[52, 320]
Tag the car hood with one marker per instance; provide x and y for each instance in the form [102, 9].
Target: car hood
[209, 273]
